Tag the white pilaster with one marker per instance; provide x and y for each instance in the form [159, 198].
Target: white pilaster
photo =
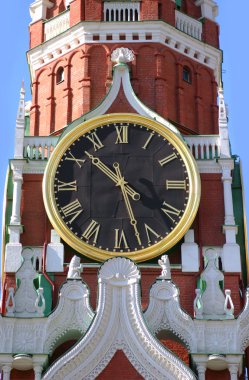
[231, 250]
[6, 364]
[233, 369]
[55, 254]
[38, 9]
[38, 372]
[6, 371]
[201, 369]
[227, 166]
[190, 253]
[20, 126]
[17, 168]
[13, 258]
[209, 8]
[223, 127]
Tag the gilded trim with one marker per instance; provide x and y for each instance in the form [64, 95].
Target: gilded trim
[143, 254]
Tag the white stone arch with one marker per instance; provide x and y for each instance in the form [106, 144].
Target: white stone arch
[165, 313]
[119, 324]
[72, 317]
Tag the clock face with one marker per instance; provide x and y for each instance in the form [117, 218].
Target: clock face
[121, 185]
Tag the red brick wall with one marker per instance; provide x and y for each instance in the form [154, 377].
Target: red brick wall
[119, 368]
[36, 34]
[33, 214]
[217, 375]
[210, 33]
[211, 211]
[157, 77]
[22, 375]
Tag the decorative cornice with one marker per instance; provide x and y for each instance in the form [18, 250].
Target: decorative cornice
[158, 31]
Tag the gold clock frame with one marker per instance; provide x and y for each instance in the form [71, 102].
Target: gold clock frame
[96, 253]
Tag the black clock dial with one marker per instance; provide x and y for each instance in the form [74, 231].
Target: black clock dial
[121, 187]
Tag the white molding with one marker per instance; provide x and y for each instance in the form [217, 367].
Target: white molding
[159, 31]
[119, 325]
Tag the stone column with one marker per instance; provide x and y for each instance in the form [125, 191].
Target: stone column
[38, 371]
[17, 192]
[6, 368]
[227, 185]
[231, 250]
[233, 369]
[201, 369]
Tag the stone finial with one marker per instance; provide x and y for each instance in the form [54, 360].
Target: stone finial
[122, 55]
[20, 125]
[214, 303]
[26, 295]
[223, 126]
[74, 271]
[165, 265]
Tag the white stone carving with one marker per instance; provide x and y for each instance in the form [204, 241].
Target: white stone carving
[164, 313]
[20, 126]
[122, 55]
[119, 324]
[26, 295]
[213, 299]
[57, 25]
[74, 271]
[72, 317]
[223, 127]
[165, 265]
[70, 320]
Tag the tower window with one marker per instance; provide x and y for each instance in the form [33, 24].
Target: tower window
[60, 75]
[186, 74]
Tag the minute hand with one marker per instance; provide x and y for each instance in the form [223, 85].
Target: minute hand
[100, 165]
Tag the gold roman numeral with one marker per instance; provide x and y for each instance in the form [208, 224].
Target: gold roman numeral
[175, 185]
[97, 144]
[167, 159]
[120, 240]
[72, 158]
[122, 134]
[148, 141]
[149, 231]
[73, 209]
[170, 210]
[92, 230]
[67, 186]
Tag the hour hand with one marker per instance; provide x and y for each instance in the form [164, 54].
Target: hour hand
[113, 176]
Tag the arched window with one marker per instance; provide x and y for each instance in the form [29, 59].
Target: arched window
[60, 75]
[186, 74]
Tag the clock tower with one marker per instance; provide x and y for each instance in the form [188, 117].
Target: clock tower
[124, 251]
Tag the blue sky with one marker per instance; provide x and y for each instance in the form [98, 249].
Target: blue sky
[233, 20]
